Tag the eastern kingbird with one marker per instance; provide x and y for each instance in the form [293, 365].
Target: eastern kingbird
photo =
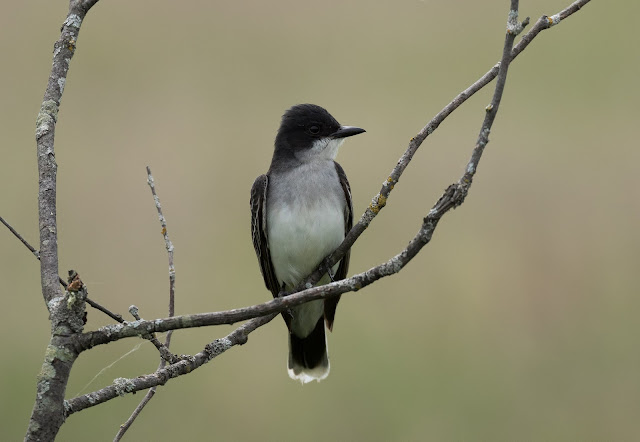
[301, 211]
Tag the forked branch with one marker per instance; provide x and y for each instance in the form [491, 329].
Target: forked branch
[67, 310]
[262, 313]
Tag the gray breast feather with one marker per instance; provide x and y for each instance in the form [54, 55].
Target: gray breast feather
[305, 220]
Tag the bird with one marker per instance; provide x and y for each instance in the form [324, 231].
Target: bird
[301, 210]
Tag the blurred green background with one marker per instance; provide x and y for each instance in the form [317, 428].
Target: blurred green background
[519, 320]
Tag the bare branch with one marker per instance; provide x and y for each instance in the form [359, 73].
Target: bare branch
[143, 403]
[106, 311]
[169, 247]
[380, 200]
[122, 386]
[172, 289]
[93, 304]
[24, 241]
[67, 314]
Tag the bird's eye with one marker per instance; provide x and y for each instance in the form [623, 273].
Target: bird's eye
[314, 129]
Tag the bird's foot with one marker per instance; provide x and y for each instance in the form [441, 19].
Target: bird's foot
[329, 270]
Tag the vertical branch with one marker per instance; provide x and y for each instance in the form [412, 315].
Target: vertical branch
[67, 315]
[169, 247]
[513, 29]
[172, 289]
[456, 193]
[64, 49]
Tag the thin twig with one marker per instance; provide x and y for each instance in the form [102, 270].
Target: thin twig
[143, 403]
[106, 311]
[24, 241]
[172, 288]
[35, 253]
[168, 245]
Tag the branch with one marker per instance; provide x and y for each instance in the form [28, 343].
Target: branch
[67, 314]
[105, 310]
[380, 200]
[121, 386]
[35, 253]
[169, 247]
[24, 241]
[172, 289]
[143, 403]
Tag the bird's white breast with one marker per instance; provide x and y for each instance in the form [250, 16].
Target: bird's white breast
[305, 219]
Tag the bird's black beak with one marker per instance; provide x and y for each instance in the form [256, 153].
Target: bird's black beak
[347, 131]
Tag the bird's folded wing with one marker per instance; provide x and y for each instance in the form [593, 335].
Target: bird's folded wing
[259, 232]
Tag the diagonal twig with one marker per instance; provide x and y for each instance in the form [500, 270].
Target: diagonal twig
[24, 241]
[92, 303]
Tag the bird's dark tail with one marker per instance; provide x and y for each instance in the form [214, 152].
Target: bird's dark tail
[308, 357]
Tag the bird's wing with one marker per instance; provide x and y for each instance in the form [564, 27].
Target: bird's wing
[331, 304]
[259, 232]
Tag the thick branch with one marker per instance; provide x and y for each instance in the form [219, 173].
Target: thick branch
[67, 313]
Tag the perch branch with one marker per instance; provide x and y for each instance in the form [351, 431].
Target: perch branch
[380, 200]
[115, 332]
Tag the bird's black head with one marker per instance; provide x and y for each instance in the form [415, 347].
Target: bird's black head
[308, 131]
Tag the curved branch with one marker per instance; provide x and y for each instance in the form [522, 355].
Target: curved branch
[380, 200]
[66, 317]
